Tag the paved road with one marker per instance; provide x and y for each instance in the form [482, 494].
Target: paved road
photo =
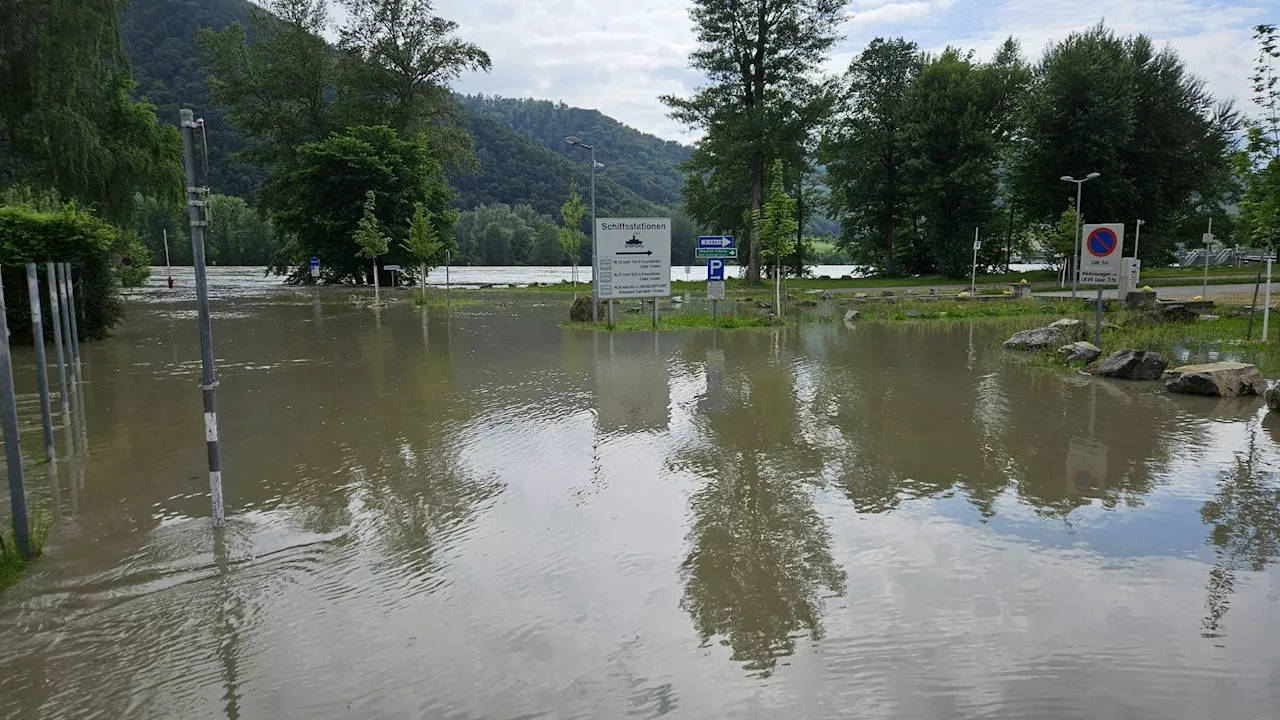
[1233, 291]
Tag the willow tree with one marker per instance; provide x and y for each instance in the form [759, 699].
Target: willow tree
[764, 97]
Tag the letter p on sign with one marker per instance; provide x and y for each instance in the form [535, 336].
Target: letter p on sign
[715, 269]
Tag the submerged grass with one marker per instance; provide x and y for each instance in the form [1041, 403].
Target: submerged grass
[12, 565]
[1196, 342]
[678, 321]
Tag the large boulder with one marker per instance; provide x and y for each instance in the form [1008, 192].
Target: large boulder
[1037, 339]
[1272, 396]
[1220, 379]
[1177, 313]
[1080, 352]
[1073, 327]
[851, 315]
[1130, 365]
[580, 311]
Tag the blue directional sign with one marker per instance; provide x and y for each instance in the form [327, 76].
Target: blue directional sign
[715, 269]
[315, 262]
[715, 241]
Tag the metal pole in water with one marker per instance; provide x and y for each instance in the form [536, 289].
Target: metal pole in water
[208, 382]
[42, 367]
[68, 353]
[448, 305]
[56, 321]
[168, 267]
[71, 310]
[12, 450]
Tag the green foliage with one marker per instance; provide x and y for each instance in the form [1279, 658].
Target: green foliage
[1259, 165]
[320, 198]
[94, 249]
[762, 59]
[12, 564]
[1114, 105]
[424, 242]
[67, 121]
[776, 224]
[501, 235]
[238, 235]
[571, 236]
[1058, 241]
[368, 237]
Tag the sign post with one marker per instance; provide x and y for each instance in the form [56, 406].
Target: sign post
[315, 268]
[973, 277]
[1208, 240]
[721, 245]
[634, 259]
[1100, 255]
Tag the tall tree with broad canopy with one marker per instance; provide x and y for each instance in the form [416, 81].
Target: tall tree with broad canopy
[763, 98]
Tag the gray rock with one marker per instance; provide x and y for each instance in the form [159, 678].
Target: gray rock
[763, 305]
[580, 311]
[1080, 352]
[1037, 339]
[913, 313]
[1177, 313]
[886, 293]
[851, 315]
[1209, 318]
[677, 299]
[1220, 379]
[1071, 326]
[772, 319]
[1272, 396]
[1130, 365]
[933, 291]
[807, 303]
[826, 295]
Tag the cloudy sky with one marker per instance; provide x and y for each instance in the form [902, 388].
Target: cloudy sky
[618, 56]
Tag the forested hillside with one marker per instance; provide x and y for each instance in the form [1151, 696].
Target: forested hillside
[519, 144]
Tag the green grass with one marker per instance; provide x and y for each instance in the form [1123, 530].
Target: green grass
[439, 299]
[1222, 339]
[677, 321]
[12, 565]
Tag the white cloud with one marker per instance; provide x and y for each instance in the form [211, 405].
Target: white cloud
[618, 57]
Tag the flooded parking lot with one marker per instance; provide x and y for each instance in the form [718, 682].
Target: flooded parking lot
[479, 514]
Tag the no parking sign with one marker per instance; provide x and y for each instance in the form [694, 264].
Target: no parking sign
[1100, 254]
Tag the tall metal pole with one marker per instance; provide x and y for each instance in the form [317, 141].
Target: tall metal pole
[12, 448]
[168, 267]
[208, 382]
[68, 352]
[973, 276]
[447, 304]
[595, 270]
[56, 322]
[1075, 256]
[75, 327]
[42, 365]
[1208, 238]
[1266, 303]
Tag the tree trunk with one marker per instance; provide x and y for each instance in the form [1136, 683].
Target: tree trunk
[757, 210]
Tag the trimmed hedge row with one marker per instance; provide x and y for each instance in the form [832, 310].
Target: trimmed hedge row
[93, 248]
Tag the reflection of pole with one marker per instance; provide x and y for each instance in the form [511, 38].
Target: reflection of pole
[42, 365]
[12, 448]
[208, 382]
[56, 322]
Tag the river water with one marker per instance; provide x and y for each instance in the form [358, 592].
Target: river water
[484, 515]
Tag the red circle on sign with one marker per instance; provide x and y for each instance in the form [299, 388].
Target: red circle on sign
[1101, 242]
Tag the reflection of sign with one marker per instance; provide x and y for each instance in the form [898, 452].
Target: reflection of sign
[717, 400]
[631, 387]
[715, 289]
[715, 269]
[716, 252]
[715, 241]
[1100, 254]
[1086, 468]
[635, 257]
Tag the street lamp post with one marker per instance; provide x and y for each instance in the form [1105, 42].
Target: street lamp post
[1075, 257]
[595, 271]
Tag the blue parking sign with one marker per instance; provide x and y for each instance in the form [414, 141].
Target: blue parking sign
[715, 269]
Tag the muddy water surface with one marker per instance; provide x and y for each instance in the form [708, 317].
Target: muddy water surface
[486, 516]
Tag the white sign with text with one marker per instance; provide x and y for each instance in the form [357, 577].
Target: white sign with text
[635, 257]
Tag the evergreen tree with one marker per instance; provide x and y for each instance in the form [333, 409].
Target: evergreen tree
[762, 58]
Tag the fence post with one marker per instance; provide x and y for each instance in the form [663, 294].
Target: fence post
[68, 350]
[12, 446]
[55, 321]
[42, 365]
[75, 326]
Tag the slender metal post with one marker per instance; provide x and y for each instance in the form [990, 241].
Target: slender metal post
[75, 327]
[42, 366]
[448, 306]
[1075, 257]
[208, 381]
[1266, 303]
[1097, 320]
[715, 307]
[973, 276]
[1208, 238]
[655, 313]
[68, 351]
[56, 322]
[12, 448]
[168, 267]
[595, 250]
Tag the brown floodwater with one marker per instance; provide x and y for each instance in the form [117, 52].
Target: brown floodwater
[483, 515]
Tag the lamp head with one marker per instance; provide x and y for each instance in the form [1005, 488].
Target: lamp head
[573, 140]
[1092, 175]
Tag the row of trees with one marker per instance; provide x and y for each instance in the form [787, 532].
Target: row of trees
[920, 148]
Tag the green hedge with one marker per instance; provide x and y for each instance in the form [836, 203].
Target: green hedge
[93, 248]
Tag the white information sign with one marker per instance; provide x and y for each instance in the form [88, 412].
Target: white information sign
[715, 289]
[1100, 254]
[635, 257]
